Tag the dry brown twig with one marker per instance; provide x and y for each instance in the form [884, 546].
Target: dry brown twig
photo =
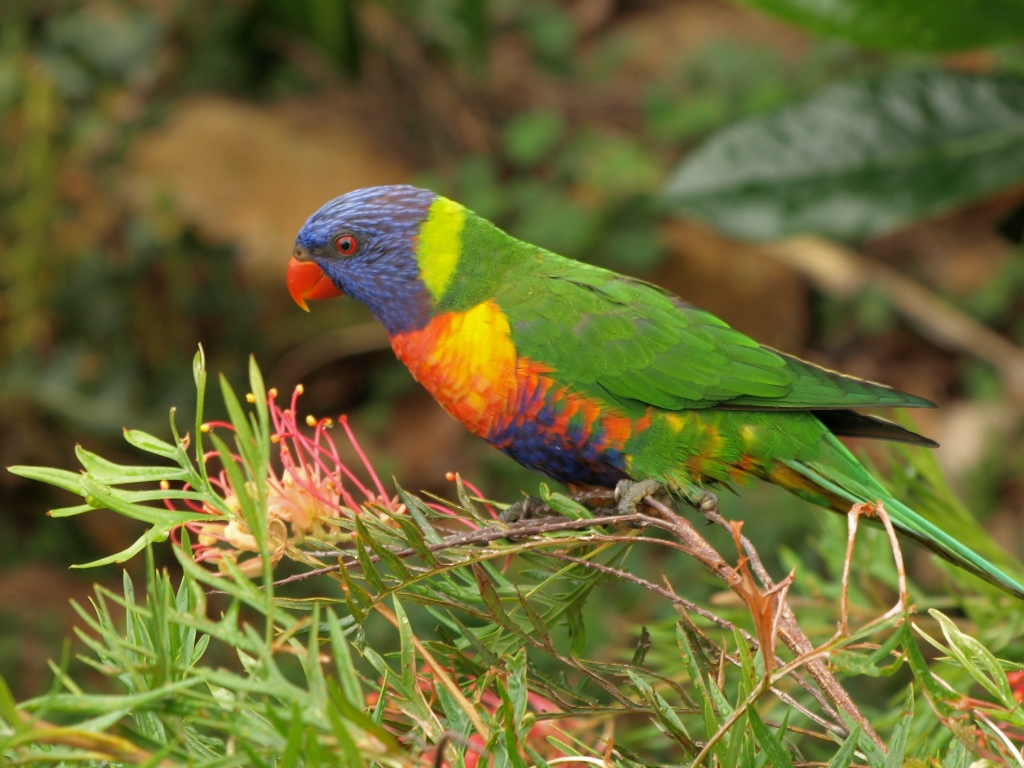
[903, 602]
[788, 628]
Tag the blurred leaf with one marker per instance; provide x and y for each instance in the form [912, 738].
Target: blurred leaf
[939, 25]
[552, 35]
[531, 136]
[860, 158]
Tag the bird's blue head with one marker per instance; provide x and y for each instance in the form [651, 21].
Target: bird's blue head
[364, 244]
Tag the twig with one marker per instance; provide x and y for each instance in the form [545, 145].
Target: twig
[836, 727]
[842, 272]
[442, 675]
[737, 713]
[852, 519]
[483, 536]
[903, 603]
[789, 629]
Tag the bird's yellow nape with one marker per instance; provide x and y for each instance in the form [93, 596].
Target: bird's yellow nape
[440, 245]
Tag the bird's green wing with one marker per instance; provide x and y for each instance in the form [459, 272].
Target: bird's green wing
[628, 341]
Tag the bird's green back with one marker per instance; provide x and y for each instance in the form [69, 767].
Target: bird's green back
[636, 345]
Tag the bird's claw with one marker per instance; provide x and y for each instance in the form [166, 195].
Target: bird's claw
[628, 494]
[523, 509]
[708, 504]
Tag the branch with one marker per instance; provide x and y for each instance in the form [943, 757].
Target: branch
[836, 727]
[842, 272]
[789, 629]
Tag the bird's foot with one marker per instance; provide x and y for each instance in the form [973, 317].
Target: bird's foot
[629, 494]
[707, 502]
[522, 510]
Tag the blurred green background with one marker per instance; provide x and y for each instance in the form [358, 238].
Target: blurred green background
[157, 158]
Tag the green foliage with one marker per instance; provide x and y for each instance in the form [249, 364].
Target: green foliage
[941, 25]
[505, 668]
[212, 668]
[860, 158]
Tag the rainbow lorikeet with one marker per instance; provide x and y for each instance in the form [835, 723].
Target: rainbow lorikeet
[591, 377]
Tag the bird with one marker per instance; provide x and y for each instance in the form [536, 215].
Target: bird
[594, 378]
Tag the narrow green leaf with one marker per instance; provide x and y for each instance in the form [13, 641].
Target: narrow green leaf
[665, 715]
[490, 597]
[518, 691]
[643, 645]
[389, 558]
[352, 711]
[78, 509]
[69, 481]
[978, 660]
[108, 473]
[414, 535]
[566, 507]
[243, 433]
[940, 697]
[348, 678]
[420, 513]
[199, 376]
[778, 755]
[693, 670]
[259, 392]
[699, 646]
[898, 743]
[102, 496]
[246, 503]
[369, 572]
[486, 654]
[9, 707]
[540, 628]
[154, 534]
[466, 501]
[844, 756]
[146, 442]
[348, 746]
[290, 756]
[357, 598]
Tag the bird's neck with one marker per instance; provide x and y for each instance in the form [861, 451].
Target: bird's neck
[485, 258]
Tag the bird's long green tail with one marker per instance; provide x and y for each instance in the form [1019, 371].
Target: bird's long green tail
[844, 477]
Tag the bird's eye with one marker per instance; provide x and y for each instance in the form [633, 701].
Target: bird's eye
[346, 245]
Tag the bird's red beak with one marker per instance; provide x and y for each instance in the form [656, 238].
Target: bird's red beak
[307, 281]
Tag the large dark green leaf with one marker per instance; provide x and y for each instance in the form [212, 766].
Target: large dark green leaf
[859, 158]
[938, 25]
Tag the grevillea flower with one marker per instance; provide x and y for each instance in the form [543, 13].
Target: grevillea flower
[312, 487]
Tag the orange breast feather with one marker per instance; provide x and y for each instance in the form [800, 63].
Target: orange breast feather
[467, 361]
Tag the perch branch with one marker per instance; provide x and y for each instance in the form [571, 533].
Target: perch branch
[789, 629]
